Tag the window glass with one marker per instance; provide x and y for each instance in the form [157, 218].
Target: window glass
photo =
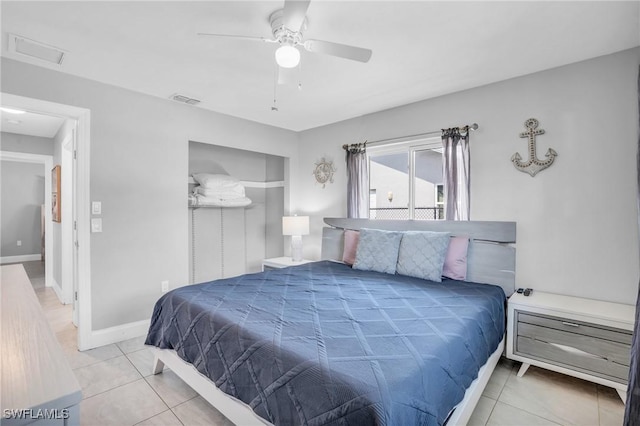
[405, 181]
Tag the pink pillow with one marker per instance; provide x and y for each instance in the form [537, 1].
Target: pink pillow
[351, 239]
[455, 263]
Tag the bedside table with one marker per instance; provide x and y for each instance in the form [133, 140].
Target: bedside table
[281, 262]
[584, 338]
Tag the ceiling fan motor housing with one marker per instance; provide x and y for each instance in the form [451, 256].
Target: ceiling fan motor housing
[282, 34]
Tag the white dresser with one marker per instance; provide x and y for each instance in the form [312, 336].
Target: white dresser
[584, 338]
[37, 386]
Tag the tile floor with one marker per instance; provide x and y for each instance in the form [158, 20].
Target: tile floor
[119, 388]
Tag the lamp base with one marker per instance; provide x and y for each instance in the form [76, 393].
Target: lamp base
[296, 248]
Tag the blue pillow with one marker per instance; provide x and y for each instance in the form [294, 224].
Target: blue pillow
[422, 254]
[377, 251]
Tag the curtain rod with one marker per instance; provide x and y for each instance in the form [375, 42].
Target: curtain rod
[474, 126]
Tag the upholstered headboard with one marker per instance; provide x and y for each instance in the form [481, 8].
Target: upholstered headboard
[491, 257]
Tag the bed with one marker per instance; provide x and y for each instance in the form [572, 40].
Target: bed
[323, 343]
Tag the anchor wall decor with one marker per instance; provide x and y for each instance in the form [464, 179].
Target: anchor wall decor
[533, 165]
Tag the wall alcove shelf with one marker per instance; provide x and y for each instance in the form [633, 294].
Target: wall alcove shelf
[229, 240]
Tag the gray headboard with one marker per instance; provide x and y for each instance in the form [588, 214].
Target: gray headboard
[491, 257]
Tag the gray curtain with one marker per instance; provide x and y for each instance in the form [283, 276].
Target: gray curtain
[632, 407]
[456, 159]
[357, 181]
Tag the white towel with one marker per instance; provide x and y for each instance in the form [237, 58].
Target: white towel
[236, 191]
[201, 200]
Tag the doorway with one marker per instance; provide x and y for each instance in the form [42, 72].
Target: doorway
[71, 251]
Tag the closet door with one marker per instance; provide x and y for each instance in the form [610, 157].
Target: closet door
[206, 244]
[233, 241]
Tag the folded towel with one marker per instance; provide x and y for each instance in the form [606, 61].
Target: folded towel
[201, 200]
[223, 192]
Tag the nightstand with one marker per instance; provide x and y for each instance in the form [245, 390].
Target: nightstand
[281, 262]
[584, 338]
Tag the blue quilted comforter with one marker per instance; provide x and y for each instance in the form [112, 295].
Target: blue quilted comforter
[321, 343]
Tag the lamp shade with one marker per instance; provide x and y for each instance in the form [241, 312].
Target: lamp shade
[295, 225]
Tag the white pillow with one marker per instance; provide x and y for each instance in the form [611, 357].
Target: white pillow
[209, 180]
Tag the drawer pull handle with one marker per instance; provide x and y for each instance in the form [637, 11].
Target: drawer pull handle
[570, 324]
[575, 351]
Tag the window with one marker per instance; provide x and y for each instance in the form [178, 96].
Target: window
[405, 180]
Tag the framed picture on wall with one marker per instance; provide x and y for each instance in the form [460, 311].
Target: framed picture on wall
[55, 194]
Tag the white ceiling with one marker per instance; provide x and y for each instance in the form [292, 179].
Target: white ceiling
[421, 49]
[29, 123]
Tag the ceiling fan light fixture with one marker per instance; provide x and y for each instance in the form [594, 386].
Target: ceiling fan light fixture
[287, 56]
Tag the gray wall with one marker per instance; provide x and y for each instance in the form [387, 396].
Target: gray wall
[27, 144]
[22, 190]
[577, 220]
[139, 163]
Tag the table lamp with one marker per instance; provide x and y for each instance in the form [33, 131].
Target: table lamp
[296, 226]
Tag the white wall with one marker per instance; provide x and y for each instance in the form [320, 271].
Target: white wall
[26, 144]
[577, 221]
[139, 163]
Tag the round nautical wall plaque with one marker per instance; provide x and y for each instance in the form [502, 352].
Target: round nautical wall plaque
[323, 171]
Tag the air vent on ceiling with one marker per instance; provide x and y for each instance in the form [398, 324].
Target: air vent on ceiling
[184, 99]
[35, 49]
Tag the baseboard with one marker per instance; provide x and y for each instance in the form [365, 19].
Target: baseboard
[56, 287]
[19, 259]
[107, 336]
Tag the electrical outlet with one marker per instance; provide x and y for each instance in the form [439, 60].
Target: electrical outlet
[19, 243]
[96, 224]
[164, 286]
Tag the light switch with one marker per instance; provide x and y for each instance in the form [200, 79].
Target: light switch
[96, 207]
[96, 225]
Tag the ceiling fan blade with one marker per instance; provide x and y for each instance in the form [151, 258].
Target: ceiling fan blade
[336, 49]
[240, 37]
[294, 13]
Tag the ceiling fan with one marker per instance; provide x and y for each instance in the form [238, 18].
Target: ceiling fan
[287, 26]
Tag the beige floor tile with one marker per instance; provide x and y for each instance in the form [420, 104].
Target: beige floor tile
[132, 345]
[483, 410]
[611, 407]
[506, 415]
[171, 388]
[68, 340]
[197, 412]
[78, 359]
[125, 405]
[163, 419]
[498, 378]
[143, 361]
[554, 396]
[106, 375]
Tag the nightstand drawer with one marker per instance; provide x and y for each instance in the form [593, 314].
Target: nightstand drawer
[612, 351]
[600, 332]
[572, 358]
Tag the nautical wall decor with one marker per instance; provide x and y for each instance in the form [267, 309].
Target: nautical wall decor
[533, 165]
[323, 171]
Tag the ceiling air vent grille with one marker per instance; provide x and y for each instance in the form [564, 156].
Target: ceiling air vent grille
[184, 99]
[35, 49]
